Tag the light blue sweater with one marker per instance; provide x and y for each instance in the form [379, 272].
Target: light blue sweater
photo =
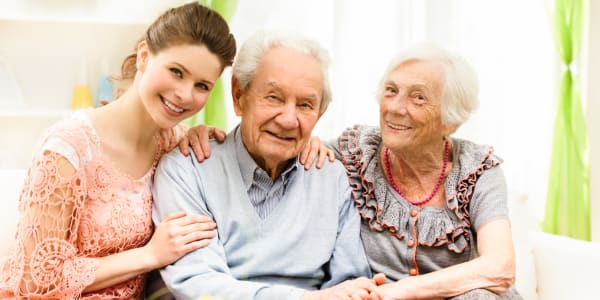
[309, 241]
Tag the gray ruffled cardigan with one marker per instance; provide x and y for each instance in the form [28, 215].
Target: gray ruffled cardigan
[402, 239]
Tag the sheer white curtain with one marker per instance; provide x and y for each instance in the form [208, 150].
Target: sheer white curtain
[509, 43]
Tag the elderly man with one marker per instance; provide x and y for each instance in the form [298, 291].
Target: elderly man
[282, 232]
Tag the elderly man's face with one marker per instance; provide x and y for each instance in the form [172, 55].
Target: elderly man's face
[281, 107]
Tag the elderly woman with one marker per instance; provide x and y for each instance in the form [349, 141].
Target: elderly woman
[434, 208]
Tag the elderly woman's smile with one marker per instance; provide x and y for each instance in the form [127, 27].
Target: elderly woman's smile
[398, 126]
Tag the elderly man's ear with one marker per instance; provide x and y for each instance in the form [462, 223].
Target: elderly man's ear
[236, 94]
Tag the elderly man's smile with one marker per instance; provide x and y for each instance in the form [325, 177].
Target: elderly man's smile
[286, 138]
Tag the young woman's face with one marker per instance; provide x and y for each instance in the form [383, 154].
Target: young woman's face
[175, 83]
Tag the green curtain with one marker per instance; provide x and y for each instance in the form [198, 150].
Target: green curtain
[568, 200]
[214, 112]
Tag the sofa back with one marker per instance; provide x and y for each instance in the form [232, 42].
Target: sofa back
[522, 224]
[11, 181]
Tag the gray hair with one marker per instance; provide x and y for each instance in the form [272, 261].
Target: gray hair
[251, 52]
[460, 86]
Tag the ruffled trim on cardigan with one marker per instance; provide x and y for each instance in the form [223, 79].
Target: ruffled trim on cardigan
[359, 147]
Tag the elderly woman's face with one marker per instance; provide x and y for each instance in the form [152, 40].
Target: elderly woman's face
[410, 105]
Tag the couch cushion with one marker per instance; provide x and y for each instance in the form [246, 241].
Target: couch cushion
[521, 225]
[567, 268]
[11, 182]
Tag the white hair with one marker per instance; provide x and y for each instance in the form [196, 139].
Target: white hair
[460, 87]
[251, 52]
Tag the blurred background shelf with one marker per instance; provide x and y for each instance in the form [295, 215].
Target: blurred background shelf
[57, 55]
[47, 48]
[85, 11]
[34, 113]
[71, 19]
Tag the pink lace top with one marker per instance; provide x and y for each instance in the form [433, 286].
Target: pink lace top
[67, 221]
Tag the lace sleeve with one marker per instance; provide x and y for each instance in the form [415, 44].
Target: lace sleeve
[45, 262]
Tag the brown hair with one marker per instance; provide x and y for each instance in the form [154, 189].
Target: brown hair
[187, 24]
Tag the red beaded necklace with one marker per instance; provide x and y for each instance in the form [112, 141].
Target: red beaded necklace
[388, 170]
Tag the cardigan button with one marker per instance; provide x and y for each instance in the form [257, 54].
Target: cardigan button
[413, 213]
[410, 243]
[413, 272]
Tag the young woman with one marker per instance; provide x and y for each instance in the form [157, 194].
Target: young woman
[85, 228]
